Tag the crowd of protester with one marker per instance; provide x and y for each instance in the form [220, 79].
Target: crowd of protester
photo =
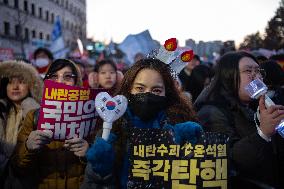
[203, 98]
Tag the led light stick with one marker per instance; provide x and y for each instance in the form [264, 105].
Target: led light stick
[256, 88]
[109, 109]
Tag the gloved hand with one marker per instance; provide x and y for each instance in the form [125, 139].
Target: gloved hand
[77, 145]
[37, 139]
[101, 155]
[185, 132]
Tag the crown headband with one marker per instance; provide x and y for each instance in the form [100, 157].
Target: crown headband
[176, 57]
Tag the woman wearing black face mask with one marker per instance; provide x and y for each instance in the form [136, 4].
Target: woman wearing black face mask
[154, 102]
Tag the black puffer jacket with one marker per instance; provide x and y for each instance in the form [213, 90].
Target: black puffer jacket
[252, 157]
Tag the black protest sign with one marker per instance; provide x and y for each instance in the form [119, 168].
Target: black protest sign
[156, 161]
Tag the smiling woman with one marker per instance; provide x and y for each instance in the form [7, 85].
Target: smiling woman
[20, 91]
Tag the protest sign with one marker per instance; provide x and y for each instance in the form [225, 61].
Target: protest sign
[67, 111]
[157, 162]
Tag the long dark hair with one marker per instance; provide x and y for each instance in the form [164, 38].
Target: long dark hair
[196, 81]
[274, 77]
[178, 109]
[3, 95]
[227, 75]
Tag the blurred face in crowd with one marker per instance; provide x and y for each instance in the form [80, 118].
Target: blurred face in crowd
[249, 71]
[190, 65]
[107, 76]
[148, 80]
[17, 90]
[64, 76]
[42, 60]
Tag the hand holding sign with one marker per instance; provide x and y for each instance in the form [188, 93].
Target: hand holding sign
[109, 109]
[37, 139]
[77, 145]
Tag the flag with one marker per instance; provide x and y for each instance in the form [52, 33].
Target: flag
[57, 46]
[137, 43]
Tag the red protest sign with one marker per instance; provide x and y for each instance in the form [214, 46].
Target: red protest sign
[67, 111]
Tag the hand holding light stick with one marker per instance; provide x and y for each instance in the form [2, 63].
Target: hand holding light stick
[109, 109]
[257, 88]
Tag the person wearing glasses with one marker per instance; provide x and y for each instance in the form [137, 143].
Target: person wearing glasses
[53, 164]
[256, 151]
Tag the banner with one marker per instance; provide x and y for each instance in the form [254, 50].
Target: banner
[138, 43]
[157, 162]
[67, 111]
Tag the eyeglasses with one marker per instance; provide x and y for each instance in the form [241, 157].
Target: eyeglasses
[256, 71]
[65, 76]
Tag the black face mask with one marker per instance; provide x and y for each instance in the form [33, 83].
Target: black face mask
[147, 105]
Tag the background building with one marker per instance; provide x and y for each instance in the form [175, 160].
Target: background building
[206, 50]
[28, 24]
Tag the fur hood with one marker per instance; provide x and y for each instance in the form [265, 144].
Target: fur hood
[10, 69]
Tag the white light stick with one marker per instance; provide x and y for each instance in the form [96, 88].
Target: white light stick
[109, 109]
[256, 88]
